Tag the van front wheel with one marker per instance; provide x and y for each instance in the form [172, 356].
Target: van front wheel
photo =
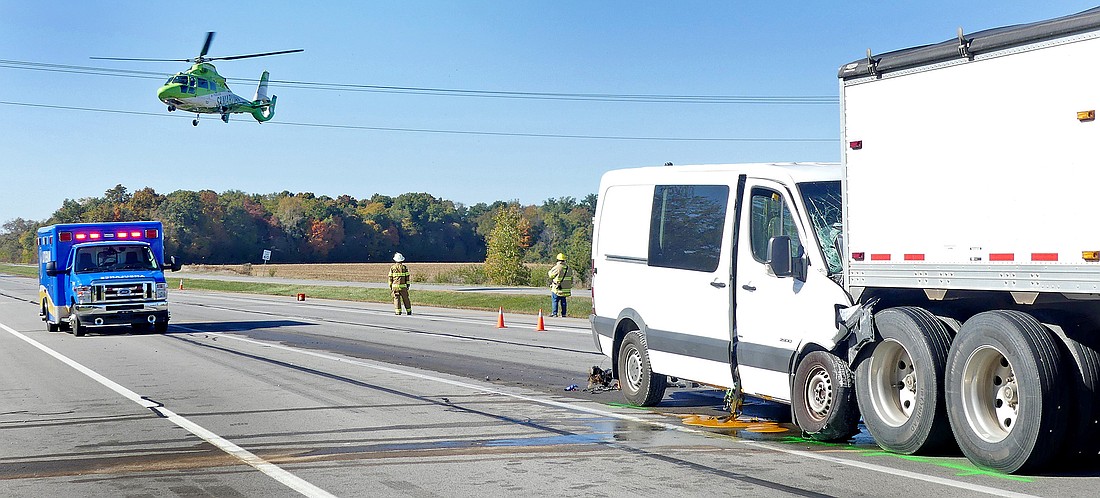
[824, 398]
[640, 385]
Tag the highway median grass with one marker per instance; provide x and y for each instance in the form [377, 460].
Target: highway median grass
[491, 301]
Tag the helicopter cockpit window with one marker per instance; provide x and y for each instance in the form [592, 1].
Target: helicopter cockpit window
[179, 79]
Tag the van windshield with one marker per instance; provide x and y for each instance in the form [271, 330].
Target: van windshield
[823, 206]
[98, 259]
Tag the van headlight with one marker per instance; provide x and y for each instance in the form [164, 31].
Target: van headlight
[162, 290]
[83, 294]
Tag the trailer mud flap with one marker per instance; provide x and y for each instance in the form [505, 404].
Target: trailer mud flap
[857, 323]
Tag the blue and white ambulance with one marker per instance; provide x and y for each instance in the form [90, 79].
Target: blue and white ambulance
[101, 274]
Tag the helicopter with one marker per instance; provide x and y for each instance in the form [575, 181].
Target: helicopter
[202, 90]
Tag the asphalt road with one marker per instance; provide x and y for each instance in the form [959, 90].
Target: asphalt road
[267, 396]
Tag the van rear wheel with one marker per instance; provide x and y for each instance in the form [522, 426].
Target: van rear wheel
[640, 385]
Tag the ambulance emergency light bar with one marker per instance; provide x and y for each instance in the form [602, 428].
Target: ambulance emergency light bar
[150, 233]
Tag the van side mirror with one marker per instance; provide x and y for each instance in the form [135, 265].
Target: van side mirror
[173, 264]
[779, 255]
[51, 268]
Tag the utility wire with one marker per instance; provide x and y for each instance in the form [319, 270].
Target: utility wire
[344, 87]
[449, 132]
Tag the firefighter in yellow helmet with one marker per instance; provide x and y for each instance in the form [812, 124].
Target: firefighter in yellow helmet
[399, 284]
[561, 283]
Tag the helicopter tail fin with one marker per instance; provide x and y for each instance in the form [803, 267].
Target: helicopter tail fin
[261, 90]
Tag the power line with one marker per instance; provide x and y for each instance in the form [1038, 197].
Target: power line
[450, 132]
[450, 92]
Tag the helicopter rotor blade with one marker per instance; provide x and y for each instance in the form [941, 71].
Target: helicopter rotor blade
[234, 57]
[141, 60]
[206, 46]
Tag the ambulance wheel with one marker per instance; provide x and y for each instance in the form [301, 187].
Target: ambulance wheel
[899, 387]
[50, 326]
[640, 385]
[824, 398]
[1005, 392]
[78, 328]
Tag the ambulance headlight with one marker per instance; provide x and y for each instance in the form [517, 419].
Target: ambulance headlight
[162, 290]
[83, 294]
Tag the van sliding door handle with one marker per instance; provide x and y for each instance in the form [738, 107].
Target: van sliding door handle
[748, 287]
[718, 284]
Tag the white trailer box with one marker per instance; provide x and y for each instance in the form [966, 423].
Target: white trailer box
[970, 167]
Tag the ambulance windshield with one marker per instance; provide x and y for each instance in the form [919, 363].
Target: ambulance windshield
[109, 258]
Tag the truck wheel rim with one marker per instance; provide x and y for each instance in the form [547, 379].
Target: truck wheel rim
[892, 383]
[989, 394]
[634, 369]
[819, 393]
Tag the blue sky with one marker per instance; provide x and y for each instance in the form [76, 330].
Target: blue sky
[758, 49]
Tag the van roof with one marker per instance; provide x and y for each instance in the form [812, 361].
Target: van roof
[792, 172]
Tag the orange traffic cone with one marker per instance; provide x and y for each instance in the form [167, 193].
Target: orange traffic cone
[541, 327]
[500, 319]
[181, 284]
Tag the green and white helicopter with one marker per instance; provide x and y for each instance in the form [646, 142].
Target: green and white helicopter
[202, 90]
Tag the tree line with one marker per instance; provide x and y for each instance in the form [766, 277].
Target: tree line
[235, 227]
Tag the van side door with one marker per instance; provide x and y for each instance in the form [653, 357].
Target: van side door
[685, 298]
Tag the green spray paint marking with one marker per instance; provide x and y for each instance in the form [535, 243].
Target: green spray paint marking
[962, 469]
[624, 405]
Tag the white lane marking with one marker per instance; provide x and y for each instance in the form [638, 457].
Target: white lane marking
[603, 413]
[433, 318]
[274, 471]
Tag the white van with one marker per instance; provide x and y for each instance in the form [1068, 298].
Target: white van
[727, 275]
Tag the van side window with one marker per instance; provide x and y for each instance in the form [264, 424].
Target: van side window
[686, 228]
[770, 216]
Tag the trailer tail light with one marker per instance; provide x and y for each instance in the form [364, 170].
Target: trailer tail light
[1091, 256]
[855, 144]
[858, 256]
[65, 237]
[151, 233]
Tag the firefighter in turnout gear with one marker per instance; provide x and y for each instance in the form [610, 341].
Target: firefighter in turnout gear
[399, 284]
[561, 282]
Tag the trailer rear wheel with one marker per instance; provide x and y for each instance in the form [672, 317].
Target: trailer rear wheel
[640, 385]
[900, 386]
[823, 400]
[1083, 447]
[1004, 399]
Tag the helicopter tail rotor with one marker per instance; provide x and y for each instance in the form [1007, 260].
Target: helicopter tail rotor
[264, 111]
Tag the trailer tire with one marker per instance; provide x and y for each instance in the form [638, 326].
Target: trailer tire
[1009, 416]
[1083, 448]
[639, 384]
[823, 399]
[899, 387]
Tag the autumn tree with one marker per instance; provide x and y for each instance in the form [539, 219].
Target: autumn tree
[504, 254]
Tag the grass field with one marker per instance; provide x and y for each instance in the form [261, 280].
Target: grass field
[511, 303]
[439, 273]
